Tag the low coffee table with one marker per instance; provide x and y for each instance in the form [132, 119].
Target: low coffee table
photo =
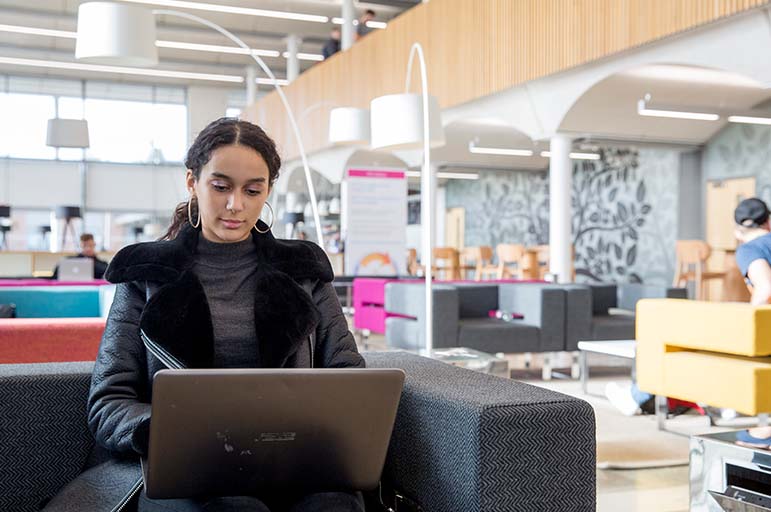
[617, 348]
[470, 359]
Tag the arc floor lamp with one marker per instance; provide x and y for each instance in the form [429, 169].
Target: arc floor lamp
[413, 121]
[114, 33]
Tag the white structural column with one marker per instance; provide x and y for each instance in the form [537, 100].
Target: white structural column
[560, 210]
[347, 32]
[292, 62]
[251, 85]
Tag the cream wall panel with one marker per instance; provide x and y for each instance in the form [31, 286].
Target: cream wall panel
[168, 188]
[43, 184]
[5, 182]
[134, 188]
[204, 105]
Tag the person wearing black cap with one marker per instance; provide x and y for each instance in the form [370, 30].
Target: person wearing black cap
[753, 256]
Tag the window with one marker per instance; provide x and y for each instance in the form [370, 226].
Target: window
[127, 123]
[131, 131]
[23, 125]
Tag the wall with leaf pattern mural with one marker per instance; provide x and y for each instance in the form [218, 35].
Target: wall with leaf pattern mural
[624, 213]
[739, 151]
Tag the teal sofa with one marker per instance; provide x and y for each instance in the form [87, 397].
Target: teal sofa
[53, 301]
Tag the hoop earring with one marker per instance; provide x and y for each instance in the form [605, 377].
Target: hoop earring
[190, 213]
[272, 220]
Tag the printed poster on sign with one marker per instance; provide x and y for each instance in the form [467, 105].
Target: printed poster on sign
[374, 221]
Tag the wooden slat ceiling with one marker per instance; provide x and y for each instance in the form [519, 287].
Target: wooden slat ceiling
[478, 47]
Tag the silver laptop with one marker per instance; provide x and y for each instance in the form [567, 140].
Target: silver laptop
[76, 269]
[241, 432]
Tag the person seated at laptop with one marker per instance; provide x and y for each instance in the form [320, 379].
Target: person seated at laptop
[218, 291]
[87, 250]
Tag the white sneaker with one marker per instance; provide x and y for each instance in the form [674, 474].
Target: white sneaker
[620, 397]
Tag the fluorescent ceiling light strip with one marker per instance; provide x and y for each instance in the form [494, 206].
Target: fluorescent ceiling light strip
[268, 81]
[37, 31]
[306, 56]
[123, 70]
[499, 151]
[178, 45]
[229, 9]
[749, 119]
[698, 116]
[575, 155]
[458, 175]
[447, 175]
[370, 24]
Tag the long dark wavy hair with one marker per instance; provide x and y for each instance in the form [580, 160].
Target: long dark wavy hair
[225, 131]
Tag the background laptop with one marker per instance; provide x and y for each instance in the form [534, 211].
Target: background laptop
[76, 269]
[243, 431]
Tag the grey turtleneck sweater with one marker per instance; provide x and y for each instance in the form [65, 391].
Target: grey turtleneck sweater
[226, 271]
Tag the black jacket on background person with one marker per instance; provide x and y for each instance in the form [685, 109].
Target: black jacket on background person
[331, 47]
[160, 319]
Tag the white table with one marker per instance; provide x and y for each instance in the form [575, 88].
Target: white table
[625, 349]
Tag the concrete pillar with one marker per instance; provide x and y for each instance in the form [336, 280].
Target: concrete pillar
[292, 62]
[560, 209]
[347, 34]
[251, 85]
[204, 105]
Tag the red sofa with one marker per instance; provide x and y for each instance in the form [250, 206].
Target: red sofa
[49, 340]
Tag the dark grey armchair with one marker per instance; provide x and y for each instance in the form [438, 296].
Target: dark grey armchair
[462, 440]
[461, 316]
[606, 311]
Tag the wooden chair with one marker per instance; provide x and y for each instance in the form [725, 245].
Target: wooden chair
[468, 258]
[447, 262]
[509, 260]
[412, 262]
[544, 259]
[694, 253]
[482, 257]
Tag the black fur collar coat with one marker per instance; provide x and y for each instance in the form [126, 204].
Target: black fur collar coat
[160, 319]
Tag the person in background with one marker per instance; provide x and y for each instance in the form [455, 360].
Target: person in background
[332, 46]
[753, 256]
[362, 29]
[88, 250]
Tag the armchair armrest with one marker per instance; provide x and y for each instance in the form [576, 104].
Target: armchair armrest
[470, 441]
[630, 293]
[543, 306]
[45, 437]
[408, 299]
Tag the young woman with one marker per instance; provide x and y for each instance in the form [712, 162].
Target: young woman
[218, 292]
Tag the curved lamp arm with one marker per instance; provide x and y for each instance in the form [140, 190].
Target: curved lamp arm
[426, 192]
[290, 115]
